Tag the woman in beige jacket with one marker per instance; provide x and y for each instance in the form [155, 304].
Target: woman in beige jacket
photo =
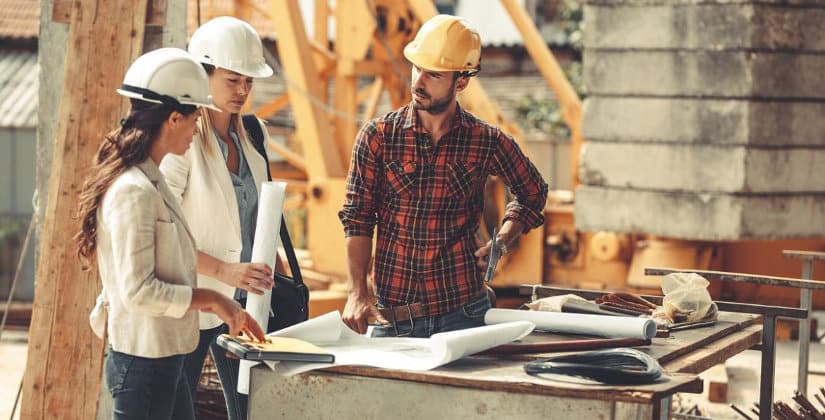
[134, 228]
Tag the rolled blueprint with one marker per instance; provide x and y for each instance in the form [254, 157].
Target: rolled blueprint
[573, 323]
[270, 210]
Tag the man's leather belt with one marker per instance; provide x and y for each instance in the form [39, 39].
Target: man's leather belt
[404, 312]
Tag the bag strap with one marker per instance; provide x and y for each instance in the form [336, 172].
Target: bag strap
[290, 254]
[253, 127]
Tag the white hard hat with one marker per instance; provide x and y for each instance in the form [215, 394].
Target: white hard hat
[168, 76]
[231, 44]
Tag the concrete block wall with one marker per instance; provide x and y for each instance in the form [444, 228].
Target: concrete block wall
[705, 119]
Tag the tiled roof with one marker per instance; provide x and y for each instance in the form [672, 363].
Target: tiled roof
[19, 19]
[18, 89]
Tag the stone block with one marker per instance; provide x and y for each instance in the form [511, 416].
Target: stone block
[700, 216]
[657, 166]
[714, 74]
[726, 122]
[705, 26]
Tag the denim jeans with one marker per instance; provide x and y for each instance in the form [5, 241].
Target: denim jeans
[145, 388]
[468, 316]
[227, 371]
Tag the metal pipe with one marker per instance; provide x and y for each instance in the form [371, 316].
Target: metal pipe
[768, 367]
[805, 302]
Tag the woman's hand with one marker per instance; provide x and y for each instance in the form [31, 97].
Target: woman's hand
[228, 310]
[237, 319]
[255, 278]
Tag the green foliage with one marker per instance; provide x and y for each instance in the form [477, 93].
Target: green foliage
[570, 22]
[545, 114]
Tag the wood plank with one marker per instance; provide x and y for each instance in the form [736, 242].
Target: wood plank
[63, 368]
[717, 352]
[684, 342]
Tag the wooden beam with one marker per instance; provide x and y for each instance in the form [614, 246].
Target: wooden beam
[63, 368]
[304, 88]
[155, 12]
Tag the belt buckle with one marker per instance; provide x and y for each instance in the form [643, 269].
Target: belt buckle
[394, 322]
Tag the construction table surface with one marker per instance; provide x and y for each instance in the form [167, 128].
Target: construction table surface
[495, 386]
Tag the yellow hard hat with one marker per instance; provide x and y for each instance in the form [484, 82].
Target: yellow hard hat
[446, 43]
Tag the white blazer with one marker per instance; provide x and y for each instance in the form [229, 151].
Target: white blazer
[200, 181]
[146, 256]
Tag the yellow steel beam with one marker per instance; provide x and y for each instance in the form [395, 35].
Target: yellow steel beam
[305, 89]
[273, 107]
[354, 28]
[548, 66]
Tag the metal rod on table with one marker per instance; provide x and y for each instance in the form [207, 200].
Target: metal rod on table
[768, 367]
[805, 302]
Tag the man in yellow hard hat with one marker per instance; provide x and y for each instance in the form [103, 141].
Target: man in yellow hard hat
[418, 174]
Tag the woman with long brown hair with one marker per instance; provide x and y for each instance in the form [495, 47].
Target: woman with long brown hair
[135, 230]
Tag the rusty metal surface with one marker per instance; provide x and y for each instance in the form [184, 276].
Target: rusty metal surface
[748, 308]
[742, 278]
[327, 395]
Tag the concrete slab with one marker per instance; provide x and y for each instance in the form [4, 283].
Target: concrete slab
[709, 168]
[708, 26]
[705, 121]
[715, 74]
[699, 216]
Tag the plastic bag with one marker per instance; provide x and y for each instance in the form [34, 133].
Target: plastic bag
[686, 297]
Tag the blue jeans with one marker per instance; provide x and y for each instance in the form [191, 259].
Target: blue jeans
[227, 371]
[144, 388]
[468, 316]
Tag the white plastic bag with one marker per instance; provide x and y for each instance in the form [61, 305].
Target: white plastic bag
[686, 297]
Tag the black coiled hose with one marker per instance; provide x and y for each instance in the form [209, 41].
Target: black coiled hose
[613, 366]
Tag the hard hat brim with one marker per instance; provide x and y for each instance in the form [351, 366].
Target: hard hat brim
[424, 61]
[134, 95]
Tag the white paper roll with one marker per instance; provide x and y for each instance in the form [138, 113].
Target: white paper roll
[270, 211]
[573, 323]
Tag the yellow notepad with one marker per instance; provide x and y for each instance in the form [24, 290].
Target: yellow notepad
[276, 348]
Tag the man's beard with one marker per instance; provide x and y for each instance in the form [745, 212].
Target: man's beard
[436, 106]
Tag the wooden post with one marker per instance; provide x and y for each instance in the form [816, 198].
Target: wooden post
[63, 368]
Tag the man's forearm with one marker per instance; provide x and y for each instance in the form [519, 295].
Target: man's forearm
[510, 230]
[359, 251]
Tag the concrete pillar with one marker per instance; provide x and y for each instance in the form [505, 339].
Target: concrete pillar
[704, 119]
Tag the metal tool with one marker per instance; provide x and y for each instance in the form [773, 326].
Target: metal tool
[492, 259]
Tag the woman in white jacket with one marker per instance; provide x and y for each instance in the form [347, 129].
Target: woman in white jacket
[217, 182]
[134, 228]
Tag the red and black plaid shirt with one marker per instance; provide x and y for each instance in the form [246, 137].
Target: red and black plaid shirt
[427, 201]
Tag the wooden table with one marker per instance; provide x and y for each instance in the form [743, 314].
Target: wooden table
[487, 387]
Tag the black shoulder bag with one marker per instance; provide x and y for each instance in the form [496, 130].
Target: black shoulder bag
[290, 296]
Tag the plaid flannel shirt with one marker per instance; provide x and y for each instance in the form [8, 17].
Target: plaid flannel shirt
[427, 202]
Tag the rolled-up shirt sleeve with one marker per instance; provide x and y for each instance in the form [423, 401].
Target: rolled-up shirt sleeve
[525, 183]
[359, 213]
[175, 169]
[133, 225]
